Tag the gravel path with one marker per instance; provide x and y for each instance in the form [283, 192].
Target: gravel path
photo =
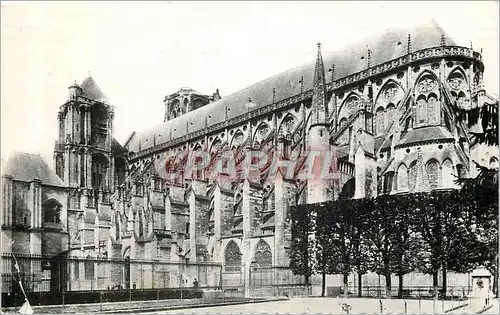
[325, 306]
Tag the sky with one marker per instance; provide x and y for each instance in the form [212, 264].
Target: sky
[138, 52]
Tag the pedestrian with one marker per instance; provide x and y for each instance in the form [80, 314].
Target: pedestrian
[195, 283]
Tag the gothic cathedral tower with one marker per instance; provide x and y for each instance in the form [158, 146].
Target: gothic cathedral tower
[83, 157]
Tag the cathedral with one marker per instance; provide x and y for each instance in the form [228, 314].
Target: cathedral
[386, 107]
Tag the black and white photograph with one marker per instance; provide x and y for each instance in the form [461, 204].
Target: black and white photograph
[249, 157]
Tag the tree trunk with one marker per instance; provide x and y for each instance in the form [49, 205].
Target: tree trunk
[346, 282]
[306, 282]
[495, 282]
[400, 284]
[444, 282]
[323, 283]
[360, 284]
[435, 284]
[388, 285]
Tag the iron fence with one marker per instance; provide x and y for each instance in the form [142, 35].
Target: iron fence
[409, 292]
[67, 280]
[63, 274]
[277, 281]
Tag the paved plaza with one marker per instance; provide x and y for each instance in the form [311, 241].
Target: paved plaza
[332, 306]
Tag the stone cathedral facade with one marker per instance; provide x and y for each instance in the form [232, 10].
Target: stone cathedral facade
[387, 107]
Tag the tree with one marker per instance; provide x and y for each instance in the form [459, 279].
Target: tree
[301, 226]
[430, 229]
[338, 233]
[407, 241]
[489, 123]
[361, 250]
[325, 245]
[349, 230]
[380, 235]
[479, 203]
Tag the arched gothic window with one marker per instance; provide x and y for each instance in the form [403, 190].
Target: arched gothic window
[380, 121]
[391, 112]
[89, 269]
[402, 182]
[263, 255]
[232, 257]
[388, 179]
[237, 140]
[51, 210]
[99, 172]
[60, 166]
[345, 135]
[412, 176]
[287, 126]
[421, 110]
[432, 168]
[433, 109]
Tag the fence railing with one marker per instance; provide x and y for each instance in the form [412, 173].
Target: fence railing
[42, 274]
[415, 292]
[60, 280]
[274, 276]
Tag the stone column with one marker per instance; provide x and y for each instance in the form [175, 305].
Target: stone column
[191, 199]
[36, 216]
[36, 206]
[247, 232]
[88, 162]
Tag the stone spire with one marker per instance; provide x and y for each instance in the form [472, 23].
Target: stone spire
[319, 104]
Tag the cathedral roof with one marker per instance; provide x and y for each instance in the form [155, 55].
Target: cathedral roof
[92, 91]
[27, 167]
[425, 134]
[389, 45]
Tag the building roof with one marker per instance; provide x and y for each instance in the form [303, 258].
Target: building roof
[389, 45]
[117, 147]
[27, 167]
[425, 134]
[92, 91]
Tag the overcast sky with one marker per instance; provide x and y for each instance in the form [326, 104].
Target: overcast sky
[138, 52]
